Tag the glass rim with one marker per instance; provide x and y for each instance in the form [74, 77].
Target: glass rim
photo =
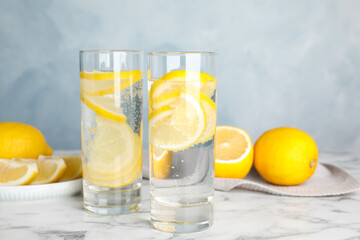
[110, 51]
[182, 53]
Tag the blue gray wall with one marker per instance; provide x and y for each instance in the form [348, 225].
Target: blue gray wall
[282, 63]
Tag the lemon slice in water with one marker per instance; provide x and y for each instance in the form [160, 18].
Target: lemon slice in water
[161, 162]
[179, 127]
[210, 114]
[103, 83]
[113, 156]
[106, 106]
[173, 99]
[183, 80]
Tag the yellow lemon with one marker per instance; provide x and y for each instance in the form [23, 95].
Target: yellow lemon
[285, 156]
[22, 140]
[13, 173]
[233, 152]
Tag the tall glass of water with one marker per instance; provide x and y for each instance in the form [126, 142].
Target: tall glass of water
[111, 90]
[182, 122]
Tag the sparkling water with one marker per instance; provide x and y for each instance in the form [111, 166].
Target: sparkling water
[186, 195]
[98, 197]
[181, 185]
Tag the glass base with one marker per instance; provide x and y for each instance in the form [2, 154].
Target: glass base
[112, 210]
[182, 218]
[174, 227]
[112, 201]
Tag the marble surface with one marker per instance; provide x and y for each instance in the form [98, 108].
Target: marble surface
[239, 214]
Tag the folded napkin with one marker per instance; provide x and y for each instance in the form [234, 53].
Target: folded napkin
[328, 180]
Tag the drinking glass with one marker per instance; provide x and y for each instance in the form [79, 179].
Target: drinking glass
[111, 90]
[182, 122]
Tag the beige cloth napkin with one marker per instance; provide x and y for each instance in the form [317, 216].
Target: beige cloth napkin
[328, 180]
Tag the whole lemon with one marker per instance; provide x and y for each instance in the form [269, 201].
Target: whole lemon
[285, 156]
[18, 140]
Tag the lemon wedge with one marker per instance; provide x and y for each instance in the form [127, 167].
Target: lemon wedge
[106, 106]
[103, 83]
[50, 170]
[233, 152]
[73, 166]
[179, 127]
[13, 173]
[161, 162]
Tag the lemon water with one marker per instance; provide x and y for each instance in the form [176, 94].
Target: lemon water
[182, 125]
[112, 147]
[185, 196]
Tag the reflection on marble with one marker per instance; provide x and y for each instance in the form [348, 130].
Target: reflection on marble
[239, 214]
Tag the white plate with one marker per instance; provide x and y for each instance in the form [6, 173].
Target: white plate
[42, 191]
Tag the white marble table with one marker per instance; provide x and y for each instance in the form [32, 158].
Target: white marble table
[239, 214]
